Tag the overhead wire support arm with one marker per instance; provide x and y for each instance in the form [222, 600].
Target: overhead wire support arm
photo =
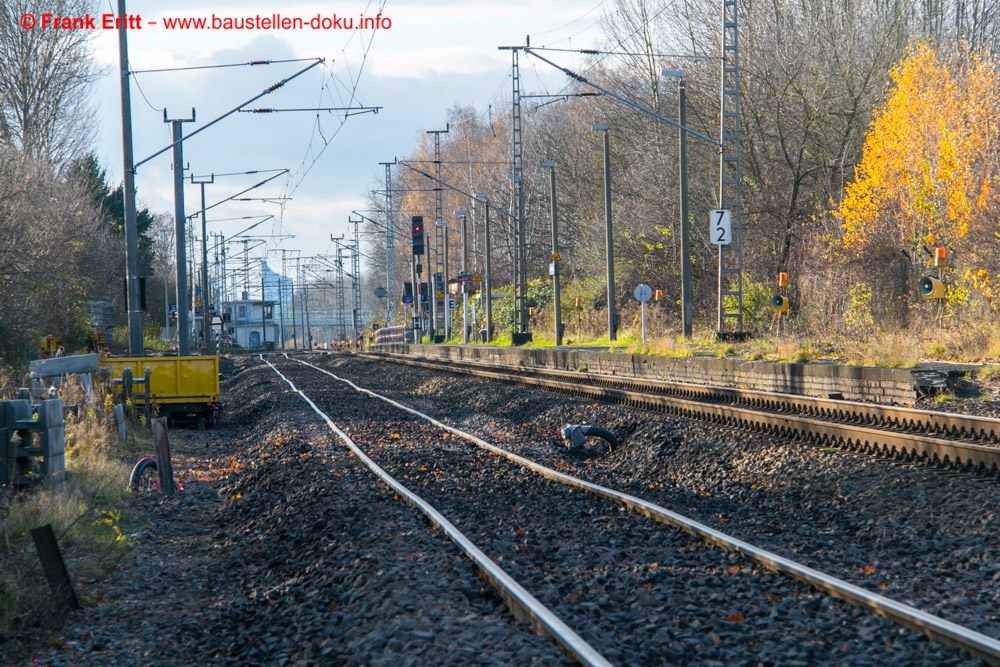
[351, 111]
[241, 192]
[562, 95]
[623, 100]
[253, 99]
[599, 52]
[242, 173]
[252, 63]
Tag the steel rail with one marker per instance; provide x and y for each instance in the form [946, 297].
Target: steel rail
[946, 632]
[858, 426]
[525, 607]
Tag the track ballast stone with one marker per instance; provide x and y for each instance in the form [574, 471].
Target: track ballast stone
[923, 536]
[300, 559]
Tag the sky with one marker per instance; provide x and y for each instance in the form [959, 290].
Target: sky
[428, 58]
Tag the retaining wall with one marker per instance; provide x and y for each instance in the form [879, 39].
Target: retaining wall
[853, 383]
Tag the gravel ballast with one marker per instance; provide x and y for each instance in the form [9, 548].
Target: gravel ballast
[924, 536]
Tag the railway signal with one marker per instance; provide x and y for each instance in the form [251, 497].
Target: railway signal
[417, 232]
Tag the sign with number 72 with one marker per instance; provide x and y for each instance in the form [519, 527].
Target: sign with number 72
[722, 227]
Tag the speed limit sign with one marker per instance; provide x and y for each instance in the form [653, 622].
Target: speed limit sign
[722, 227]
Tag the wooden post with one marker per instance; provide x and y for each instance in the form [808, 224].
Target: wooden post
[147, 405]
[55, 568]
[127, 391]
[163, 465]
[119, 411]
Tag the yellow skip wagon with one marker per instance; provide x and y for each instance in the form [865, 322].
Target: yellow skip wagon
[184, 388]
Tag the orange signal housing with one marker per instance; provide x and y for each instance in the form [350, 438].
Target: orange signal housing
[940, 256]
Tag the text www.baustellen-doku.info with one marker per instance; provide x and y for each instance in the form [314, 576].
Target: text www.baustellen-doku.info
[276, 21]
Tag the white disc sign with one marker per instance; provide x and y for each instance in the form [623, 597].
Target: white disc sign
[643, 293]
[722, 227]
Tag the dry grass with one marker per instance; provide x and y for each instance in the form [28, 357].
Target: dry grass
[988, 373]
[89, 519]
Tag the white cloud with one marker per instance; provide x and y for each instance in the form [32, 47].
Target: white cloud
[434, 57]
[427, 61]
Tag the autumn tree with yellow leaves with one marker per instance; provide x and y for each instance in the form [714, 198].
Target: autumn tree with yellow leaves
[929, 175]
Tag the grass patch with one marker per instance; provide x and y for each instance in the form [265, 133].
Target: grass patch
[988, 373]
[801, 356]
[945, 397]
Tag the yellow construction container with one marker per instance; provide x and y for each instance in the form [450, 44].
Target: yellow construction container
[182, 387]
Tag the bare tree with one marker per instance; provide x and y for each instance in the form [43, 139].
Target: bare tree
[46, 81]
[55, 254]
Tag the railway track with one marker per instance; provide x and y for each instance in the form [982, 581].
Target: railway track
[942, 438]
[523, 605]
[977, 644]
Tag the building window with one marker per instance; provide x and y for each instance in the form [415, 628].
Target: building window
[241, 312]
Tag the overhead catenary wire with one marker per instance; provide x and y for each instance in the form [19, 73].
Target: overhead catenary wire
[252, 63]
[599, 52]
[452, 187]
[233, 197]
[296, 178]
[624, 100]
[266, 91]
[348, 110]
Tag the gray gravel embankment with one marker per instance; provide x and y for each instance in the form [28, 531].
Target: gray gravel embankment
[923, 536]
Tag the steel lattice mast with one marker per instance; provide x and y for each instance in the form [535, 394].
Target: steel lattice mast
[356, 281]
[438, 234]
[520, 257]
[730, 172]
[390, 249]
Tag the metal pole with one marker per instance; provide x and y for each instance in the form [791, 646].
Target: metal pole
[246, 295]
[685, 223]
[281, 302]
[465, 270]
[390, 248]
[305, 309]
[447, 310]
[416, 298]
[164, 233]
[644, 324]
[359, 324]
[226, 293]
[610, 239]
[551, 166]
[295, 322]
[183, 326]
[263, 313]
[487, 284]
[135, 337]
[205, 291]
[192, 287]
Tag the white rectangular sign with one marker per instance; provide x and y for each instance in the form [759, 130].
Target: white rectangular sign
[722, 227]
